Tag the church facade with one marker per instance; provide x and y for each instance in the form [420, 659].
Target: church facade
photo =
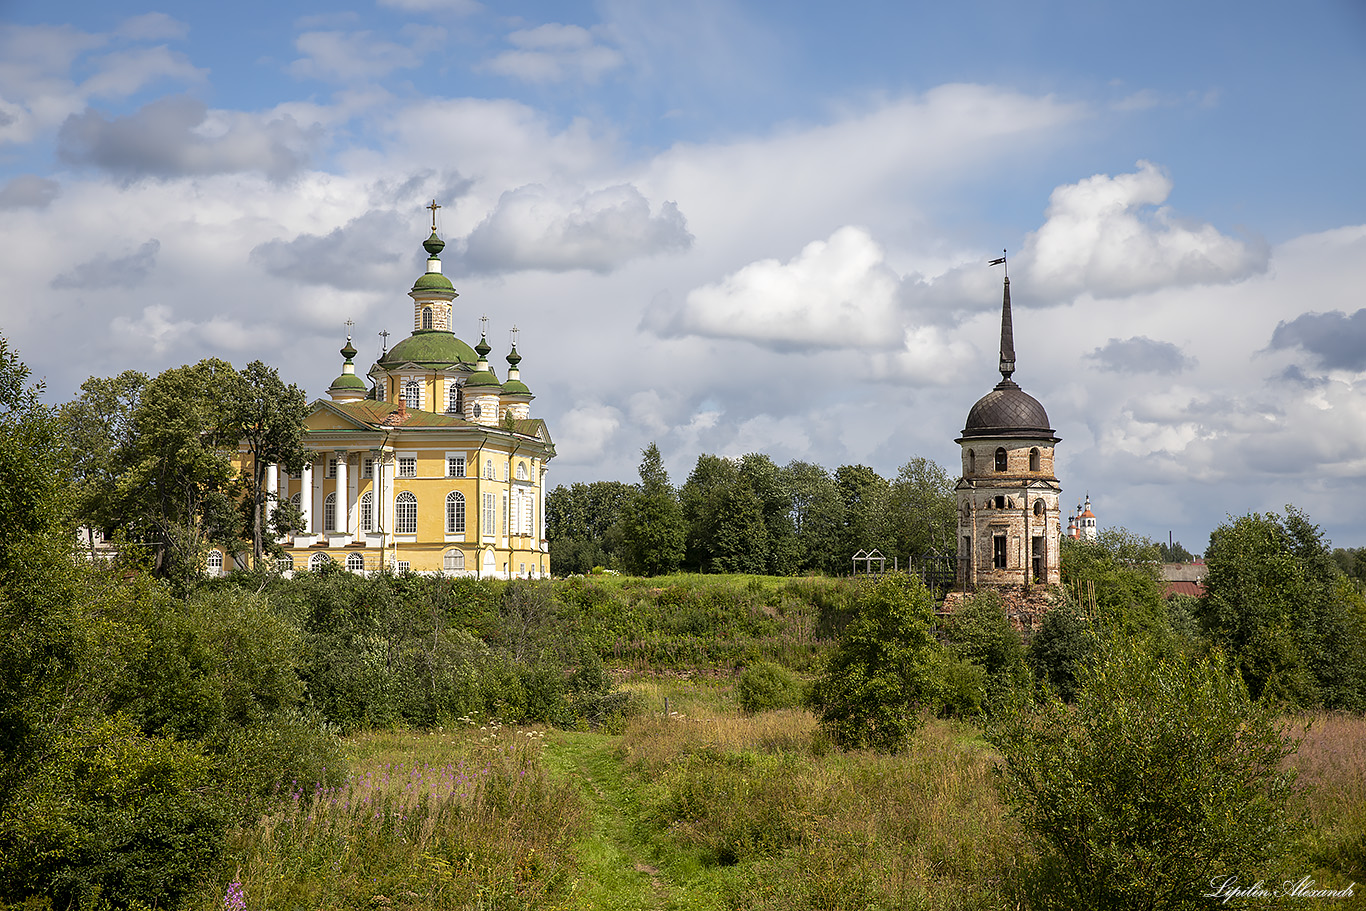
[434, 466]
[1008, 496]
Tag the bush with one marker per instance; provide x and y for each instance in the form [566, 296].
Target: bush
[881, 675]
[765, 686]
[1164, 778]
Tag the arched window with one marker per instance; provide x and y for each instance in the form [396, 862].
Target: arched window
[489, 472]
[1038, 508]
[284, 564]
[367, 511]
[297, 500]
[972, 462]
[426, 317]
[355, 563]
[1034, 459]
[455, 513]
[412, 394]
[521, 471]
[477, 411]
[330, 513]
[215, 563]
[455, 398]
[1000, 502]
[1001, 459]
[318, 561]
[453, 561]
[405, 514]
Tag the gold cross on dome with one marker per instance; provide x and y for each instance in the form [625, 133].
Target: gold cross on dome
[433, 207]
[513, 332]
[484, 324]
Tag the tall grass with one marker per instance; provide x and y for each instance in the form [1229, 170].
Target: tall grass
[791, 824]
[474, 823]
[1331, 762]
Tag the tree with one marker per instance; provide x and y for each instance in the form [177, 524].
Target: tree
[38, 579]
[583, 527]
[881, 675]
[704, 501]
[268, 417]
[1276, 603]
[769, 484]
[652, 520]
[817, 517]
[921, 508]
[1174, 553]
[99, 431]
[1165, 780]
[180, 482]
[865, 494]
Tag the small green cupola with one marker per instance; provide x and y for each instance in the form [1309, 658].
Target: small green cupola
[348, 387]
[433, 292]
[516, 396]
[483, 374]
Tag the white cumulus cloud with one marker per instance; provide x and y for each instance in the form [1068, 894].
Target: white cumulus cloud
[537, 227]
[835, 292]
[1112, 237]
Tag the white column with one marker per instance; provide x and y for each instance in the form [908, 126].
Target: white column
[306, 495]
[540, 509]
[342, 494]
[272, 490]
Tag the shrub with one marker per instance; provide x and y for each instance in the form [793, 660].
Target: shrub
[1163, 778]
[880, 676]
[764, 686]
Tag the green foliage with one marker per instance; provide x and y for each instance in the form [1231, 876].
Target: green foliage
[652, 521]
[764, 686]
[979, 633]
[921, 508]
[1062, 647]
[880, 677]
[1162, 779]
[1174, 553]
[582, 525]
[269, 417]
[1276, 603]
[112, 812]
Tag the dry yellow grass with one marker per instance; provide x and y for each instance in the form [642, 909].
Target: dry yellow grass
[813, 828]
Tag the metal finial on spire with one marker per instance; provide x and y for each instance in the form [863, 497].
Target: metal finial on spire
[384, 334]
[433, 207]
[484, 324]
[512, 333]
[1007, 365]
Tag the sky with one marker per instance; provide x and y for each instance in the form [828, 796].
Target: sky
[733, 227]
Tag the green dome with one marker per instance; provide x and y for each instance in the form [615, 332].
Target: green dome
[434, 281]
[482, 378]
[348, 381]
[429, 347]
[515, 387]
[434, 245]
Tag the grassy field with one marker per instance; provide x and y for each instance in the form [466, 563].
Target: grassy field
[700, 808]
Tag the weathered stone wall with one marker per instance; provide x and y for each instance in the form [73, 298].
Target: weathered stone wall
[1024, 607]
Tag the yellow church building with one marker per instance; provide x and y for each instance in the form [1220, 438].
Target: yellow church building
[434, 467]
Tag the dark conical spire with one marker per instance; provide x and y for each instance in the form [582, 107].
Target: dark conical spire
[1007, 336]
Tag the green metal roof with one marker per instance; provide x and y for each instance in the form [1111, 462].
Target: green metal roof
[430, 348]
[482, 378]
[515, 387]
[434, 281]
[348, 381]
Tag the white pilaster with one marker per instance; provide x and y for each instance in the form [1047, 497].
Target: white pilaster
[272, 490]
[343, 495]
[306, 495]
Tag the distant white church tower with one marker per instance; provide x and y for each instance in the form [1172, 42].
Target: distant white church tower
[1082, 524]
[1009, 523]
